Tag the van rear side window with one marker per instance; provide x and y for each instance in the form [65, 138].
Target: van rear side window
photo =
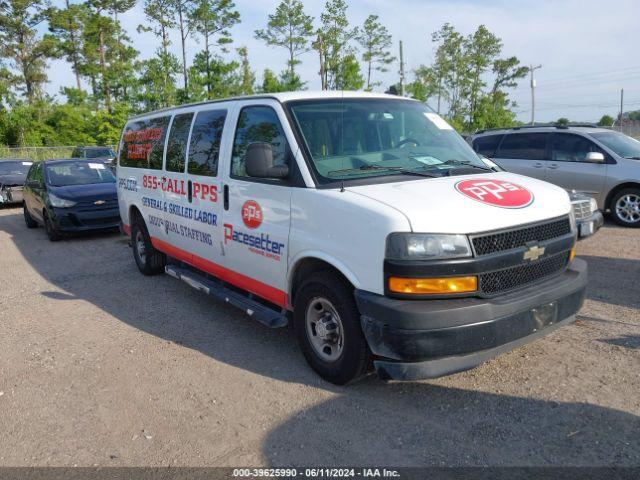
[177, 144]
[204, 148]
[143, 143]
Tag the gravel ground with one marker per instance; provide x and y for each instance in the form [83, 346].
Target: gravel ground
[100, 365]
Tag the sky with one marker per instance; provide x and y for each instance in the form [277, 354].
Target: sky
[588, 49]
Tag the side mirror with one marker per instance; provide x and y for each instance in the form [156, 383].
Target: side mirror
[594, 157]
[259, 162]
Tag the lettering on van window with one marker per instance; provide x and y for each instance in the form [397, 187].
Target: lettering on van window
[203, 191]
[261, 244]
[130, 184]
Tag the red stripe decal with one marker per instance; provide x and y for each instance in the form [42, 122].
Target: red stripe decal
[126, 229]
[239, 280]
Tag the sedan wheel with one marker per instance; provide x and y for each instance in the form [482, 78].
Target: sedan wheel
[626, 208]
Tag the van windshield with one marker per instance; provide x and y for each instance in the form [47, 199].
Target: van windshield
[621, 144]
[364, 137]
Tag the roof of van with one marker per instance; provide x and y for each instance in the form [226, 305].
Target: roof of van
[586, 128]
[284, 97]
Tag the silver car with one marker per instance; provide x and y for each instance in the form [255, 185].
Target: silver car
[597, 162]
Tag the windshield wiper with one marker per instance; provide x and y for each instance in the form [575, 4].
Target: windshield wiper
[393, 169]
[460, 163]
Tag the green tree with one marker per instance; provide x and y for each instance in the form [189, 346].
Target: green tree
[333, 44]
[181, 10]
[157, 81]
[562, 121]
[248, 77]
[21, 44]
[606, 121]
[272, 83]
[66, 26]
[425, 84]
[375, 40]
[290, 28]
[348, 76]
[481, 50]
[212, 19]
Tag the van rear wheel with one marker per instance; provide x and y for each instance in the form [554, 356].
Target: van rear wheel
[625, 207]
[327, 325]
[149, 260]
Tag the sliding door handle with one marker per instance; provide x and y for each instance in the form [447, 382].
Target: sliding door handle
[225, 194]
[189, 191]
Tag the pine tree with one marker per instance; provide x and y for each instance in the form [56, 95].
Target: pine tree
[290, 28]
[375, 41]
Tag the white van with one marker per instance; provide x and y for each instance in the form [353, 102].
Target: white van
[363, 219]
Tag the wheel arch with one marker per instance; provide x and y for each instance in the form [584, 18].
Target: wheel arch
[310, 262]
[614, 191]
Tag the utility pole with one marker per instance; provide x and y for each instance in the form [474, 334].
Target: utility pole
[533, 93]
[621, 107]
[401, 69]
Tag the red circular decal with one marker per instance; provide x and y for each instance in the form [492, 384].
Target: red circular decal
[496, 192]
[251, 214]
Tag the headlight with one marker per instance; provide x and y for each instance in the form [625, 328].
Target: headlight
[426, 246]
[60, 202]
[593, 205]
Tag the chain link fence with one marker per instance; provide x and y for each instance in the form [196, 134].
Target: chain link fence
[38, 153]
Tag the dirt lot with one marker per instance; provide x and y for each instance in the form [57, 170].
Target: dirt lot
[102, 366]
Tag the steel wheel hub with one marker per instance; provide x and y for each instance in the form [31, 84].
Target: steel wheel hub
[628, 208]
[324, 329]
[141, 247]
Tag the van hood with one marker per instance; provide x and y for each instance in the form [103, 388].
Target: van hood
[470, 203]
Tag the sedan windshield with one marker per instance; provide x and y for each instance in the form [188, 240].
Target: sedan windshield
[14, 168]
[64, 174]
[361, 138]
[621, 144]
[99, 153]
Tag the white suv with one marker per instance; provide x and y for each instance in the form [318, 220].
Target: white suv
[364, 219]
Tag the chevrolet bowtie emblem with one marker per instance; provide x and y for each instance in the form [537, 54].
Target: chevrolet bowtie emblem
[533, 253]
[99, 202]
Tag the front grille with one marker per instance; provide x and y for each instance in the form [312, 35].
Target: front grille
[582, 209]
[514, 277]
[499, 242]
[90, 206]
[96, 222]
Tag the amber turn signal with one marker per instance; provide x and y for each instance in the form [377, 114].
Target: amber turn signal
[572, 254]
[432, 286]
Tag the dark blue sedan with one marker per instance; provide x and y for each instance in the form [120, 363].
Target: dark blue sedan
[70, 196]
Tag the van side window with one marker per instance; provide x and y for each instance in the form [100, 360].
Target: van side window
[487, 145]
[567, 147]
[177, 143]
[204, 148]
[257, 124]
[524, 146]
[143, 143]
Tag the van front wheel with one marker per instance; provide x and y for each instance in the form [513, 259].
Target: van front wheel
[327, 325]
[149, 260]
[625, 207]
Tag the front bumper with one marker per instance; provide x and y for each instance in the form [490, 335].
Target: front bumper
[75, 220]
[417, 339]
[589, 226]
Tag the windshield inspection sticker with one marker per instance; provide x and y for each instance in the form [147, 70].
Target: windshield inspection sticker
[96, 166]
[438, 121]
[498, 193]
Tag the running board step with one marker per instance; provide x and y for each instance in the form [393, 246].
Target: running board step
[263, 314]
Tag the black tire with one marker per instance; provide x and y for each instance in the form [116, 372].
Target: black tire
[354, 359]
[151, 261]
[621, 217]
[52, 232]
[31, 223]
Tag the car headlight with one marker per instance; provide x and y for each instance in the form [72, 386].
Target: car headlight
[426, 246]
[60, 202]
[593, 205]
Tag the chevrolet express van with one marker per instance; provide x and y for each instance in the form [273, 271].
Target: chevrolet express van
[363, 219]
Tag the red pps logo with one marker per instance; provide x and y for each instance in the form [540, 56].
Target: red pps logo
[496, 192]
[251, 214]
